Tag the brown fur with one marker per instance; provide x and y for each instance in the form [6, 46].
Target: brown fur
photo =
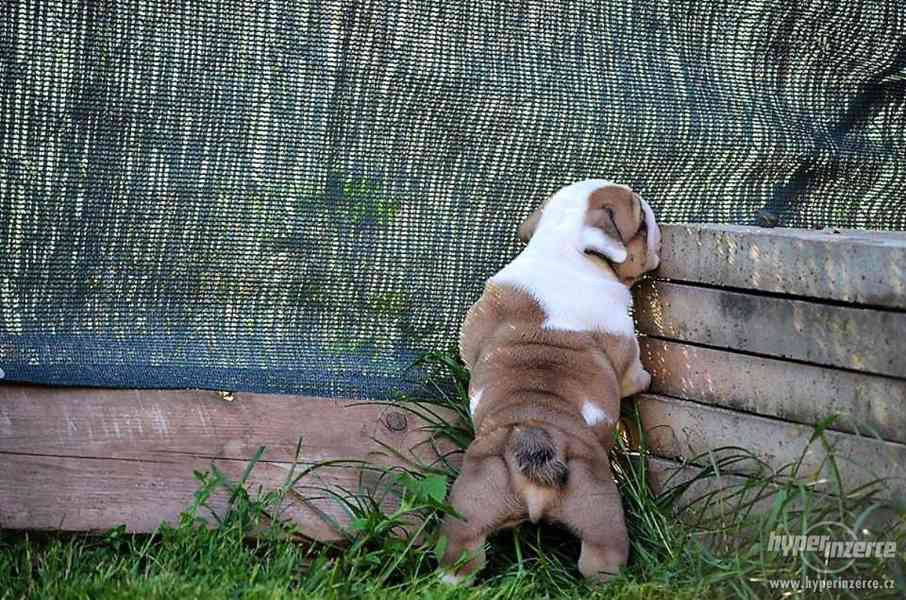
[630, 270]
[637, 262]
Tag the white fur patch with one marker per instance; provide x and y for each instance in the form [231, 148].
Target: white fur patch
[474, 399]
[595, 239]
[573, 294]
[555, 271]
[451, 579]
[594, 415]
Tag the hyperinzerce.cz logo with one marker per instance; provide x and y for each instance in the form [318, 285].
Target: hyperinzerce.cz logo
[829, 547]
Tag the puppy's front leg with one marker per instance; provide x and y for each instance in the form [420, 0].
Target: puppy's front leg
[483, 498]
[635, 378]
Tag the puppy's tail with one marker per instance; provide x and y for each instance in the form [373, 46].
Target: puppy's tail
[535, 455]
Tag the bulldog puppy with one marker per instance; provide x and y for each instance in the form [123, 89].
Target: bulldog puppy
[551, 349]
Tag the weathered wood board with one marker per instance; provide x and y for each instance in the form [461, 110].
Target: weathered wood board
[88, 459]
[161, 424]
[861, 339]
[95, 494]
[681, 429]
[866, 404]
[863, 267]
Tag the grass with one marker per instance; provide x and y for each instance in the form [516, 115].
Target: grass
[719, 549]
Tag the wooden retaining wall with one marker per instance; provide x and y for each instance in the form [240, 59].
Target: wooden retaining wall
[754, 335]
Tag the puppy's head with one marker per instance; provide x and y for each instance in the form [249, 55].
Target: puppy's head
[601, 219]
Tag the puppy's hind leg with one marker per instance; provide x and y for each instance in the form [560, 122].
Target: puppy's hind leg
[600, 563]
[483, 498]
[592, 510]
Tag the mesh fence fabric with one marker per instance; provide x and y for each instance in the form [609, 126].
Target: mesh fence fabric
[301, 196]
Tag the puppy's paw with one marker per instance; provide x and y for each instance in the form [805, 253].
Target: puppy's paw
[644, 380]
[635, 381]
[598, 564]
[454, 579]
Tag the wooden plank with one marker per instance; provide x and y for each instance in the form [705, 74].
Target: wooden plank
[854, 338]
[864, 267]
[158, 424]
[681, 429]
[92, 454]
[867, 404]
[90, 494]
[665, 474]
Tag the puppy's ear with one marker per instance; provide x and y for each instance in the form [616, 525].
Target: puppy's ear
[616, 210]
[653, 235]
[642, 250]
[612, 219]
[527, 229]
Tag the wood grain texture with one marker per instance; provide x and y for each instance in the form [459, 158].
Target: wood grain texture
[867, 404]
[678, 429]
[864, 267]
[90, 494]
[144, 424]
[90, 459]
[861, 339]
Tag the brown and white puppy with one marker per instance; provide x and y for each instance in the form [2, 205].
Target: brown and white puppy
[551, 349]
